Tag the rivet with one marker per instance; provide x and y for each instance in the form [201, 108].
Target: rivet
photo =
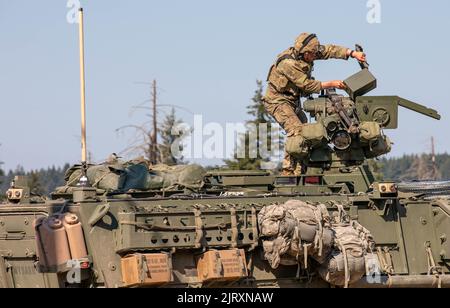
[112, 267]
[423, 221]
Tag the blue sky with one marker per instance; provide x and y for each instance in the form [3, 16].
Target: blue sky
[206, 56]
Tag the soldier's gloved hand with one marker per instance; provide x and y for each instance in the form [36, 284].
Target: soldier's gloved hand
[337, 84]
[360, 56]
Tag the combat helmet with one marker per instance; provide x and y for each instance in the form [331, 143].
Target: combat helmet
[307, 42]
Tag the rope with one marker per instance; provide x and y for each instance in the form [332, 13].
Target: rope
[319, 235]
[305, 254]
[198, 228]
[347, 272]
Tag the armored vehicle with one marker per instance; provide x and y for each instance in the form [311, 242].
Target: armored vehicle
[131, 224]
[142, 226]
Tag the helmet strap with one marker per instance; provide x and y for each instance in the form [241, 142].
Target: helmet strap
[305, 43]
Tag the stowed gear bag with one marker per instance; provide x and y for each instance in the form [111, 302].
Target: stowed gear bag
[176, 177]
[110, 177]
[105, 177]
[135, 175]
[311, 136]
[293, 231]
[346, 265]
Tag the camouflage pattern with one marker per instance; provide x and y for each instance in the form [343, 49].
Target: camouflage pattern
[291, 79]
[310, 47]
[284, 113]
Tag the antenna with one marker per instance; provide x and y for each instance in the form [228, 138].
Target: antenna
[154, 150]
[84, 192]
[435, 170]
[83, 179]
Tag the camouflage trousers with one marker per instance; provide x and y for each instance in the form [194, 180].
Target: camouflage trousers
[283, 111]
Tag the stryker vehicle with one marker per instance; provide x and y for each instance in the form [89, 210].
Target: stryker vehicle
[332, 226]
[132, 225]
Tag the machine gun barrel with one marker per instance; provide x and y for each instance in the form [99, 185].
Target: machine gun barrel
[419, 108]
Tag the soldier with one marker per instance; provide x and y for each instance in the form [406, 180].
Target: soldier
[290, 78]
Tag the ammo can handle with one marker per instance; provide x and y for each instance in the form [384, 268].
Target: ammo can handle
[364, 65]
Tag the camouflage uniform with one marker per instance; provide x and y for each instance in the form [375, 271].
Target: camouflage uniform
[289, 79]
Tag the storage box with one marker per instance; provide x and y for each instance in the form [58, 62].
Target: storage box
[222, 265]
[146, 269]
[360, 83]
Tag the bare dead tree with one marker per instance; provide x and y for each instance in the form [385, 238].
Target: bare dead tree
[146, 138]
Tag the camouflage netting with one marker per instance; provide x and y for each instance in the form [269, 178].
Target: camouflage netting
[293, 231]
[136, 176]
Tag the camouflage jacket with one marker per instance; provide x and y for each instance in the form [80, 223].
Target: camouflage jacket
[290, 78]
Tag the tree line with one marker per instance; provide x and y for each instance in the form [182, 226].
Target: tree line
[41, 182]
[416, 167]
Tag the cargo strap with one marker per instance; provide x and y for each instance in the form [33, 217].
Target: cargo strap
[99, 180]
[305, 254]
[319, 234]
[347, 270]
[301, 247]
[169, 256]
[219, 265]
[74, 181]
[234, 229]
[299, 238]
[241, 263]
[198, 228]
[433, 269]
[385, 260]
[342, 214]
[144, 272]
[250, 266]
[254, 230]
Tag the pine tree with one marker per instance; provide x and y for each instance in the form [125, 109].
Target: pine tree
[43, 181]
[259, 116]
[168, 139]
